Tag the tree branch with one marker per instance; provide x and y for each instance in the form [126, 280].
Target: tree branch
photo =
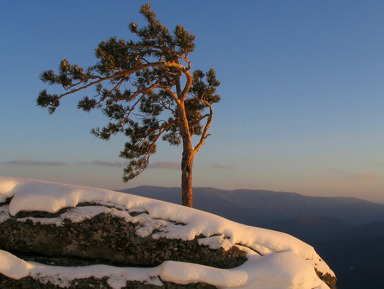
[124, 74]
[207, 125]
[145, 161]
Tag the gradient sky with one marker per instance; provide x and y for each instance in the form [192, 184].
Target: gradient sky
[302, 94]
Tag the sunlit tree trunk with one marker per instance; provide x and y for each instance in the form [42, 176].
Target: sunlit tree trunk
[187, 157]
[186, 175]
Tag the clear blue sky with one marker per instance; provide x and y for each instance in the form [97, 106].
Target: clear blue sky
[302, 94]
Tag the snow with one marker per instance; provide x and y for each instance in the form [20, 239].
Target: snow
[275, 260]
[290, 271]
[12, 266]
[6, 186]
[16, 268]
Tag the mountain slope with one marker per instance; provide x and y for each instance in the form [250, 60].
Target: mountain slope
[357, 262]
[261, 208]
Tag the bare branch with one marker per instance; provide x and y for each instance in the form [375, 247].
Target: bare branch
[187, 86]
[206, 127]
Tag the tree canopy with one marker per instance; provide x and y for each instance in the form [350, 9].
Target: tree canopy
[148, 92]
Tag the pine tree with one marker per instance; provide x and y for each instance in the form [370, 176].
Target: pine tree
[147, 91]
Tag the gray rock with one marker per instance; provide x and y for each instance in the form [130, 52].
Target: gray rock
[105, 239]
[29, 283]
[102, 239]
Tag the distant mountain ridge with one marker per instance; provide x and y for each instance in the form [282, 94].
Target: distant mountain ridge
[261, 207]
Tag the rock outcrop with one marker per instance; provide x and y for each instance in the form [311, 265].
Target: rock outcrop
[106, 238]
[122, 241]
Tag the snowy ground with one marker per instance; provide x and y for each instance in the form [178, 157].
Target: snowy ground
[275, 260]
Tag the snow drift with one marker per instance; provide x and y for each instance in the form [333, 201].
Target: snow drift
[274, 260]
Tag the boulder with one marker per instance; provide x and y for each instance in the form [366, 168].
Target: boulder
[106, 238]
[55, 236]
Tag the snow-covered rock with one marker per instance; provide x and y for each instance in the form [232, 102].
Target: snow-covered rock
[183, 246]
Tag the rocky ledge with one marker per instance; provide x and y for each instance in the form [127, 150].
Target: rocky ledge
[55, 236]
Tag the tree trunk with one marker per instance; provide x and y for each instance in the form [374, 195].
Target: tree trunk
[187, 158]
[186, 176]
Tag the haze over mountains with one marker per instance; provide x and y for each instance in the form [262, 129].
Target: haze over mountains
[325, 218]
[347, 232]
